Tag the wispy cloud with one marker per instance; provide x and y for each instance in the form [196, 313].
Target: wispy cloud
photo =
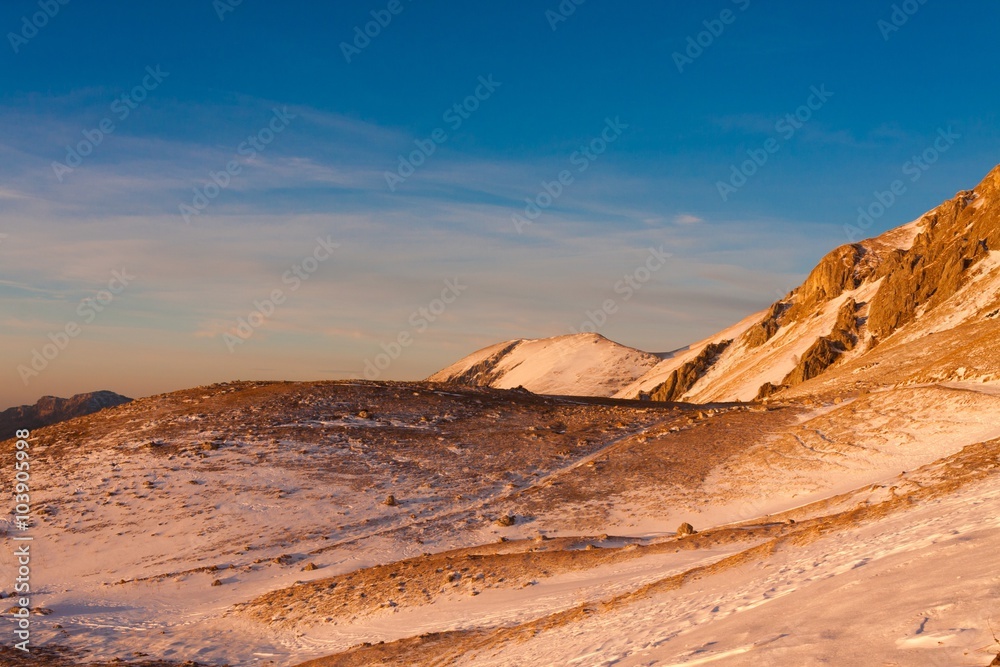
[451, 219]
[687, 219]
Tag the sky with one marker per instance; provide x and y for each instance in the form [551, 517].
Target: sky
[203, 191]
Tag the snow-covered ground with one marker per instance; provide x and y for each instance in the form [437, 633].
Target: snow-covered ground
[260, 487]
[918, 588]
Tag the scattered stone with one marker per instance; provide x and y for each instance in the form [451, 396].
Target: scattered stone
[390, 501]
[506, 520]
[685, 529]
[217, 582]
[310, 567]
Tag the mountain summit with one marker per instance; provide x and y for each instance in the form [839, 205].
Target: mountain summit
[938, 276]
[580, 364]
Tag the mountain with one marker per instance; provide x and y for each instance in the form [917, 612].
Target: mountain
[583, 364]
[934, 278]
[52, 410]
[355, 523]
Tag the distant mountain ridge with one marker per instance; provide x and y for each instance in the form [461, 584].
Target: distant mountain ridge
[52, 410]
[936, 276]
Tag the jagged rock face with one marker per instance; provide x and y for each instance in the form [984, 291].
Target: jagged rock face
[953, 238]
[957, 235]
[843, 270]
[823, 353]
[764, 330]
[845, 330]
[51, 410]
[682, 379]
[817, 359]
[840, 271]
[827, 349]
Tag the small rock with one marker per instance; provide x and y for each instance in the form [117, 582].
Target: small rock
[310, 567]
[685, 529]
[390, 500]
[217, 582]
[506, 520]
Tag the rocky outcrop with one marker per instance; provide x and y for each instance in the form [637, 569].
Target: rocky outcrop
[764, 330]
[952, 240]
[846, 330]
[823, 353]
[817, 359]
[842, 270]
[768, 389]
[52, 410]
[956, 236]
[683, 378]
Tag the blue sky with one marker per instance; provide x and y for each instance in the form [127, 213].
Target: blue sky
[326, 132]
